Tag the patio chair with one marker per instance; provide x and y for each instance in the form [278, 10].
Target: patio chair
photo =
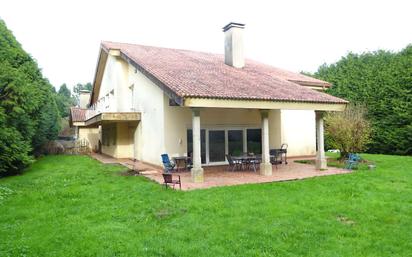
[254, 163]
[168, 180]
[233, 164]
[352, 161]
[168, 165]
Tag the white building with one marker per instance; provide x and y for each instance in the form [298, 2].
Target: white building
[149, 101]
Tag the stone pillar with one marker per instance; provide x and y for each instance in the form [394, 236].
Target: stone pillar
[321, 163]
[265, 166]
[197, 171]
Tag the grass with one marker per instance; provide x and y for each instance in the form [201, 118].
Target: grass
[75, 206]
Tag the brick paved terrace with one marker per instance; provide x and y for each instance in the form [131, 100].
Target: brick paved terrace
[215, 176]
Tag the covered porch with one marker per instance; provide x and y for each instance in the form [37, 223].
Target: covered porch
[266, 169]
[116, 131]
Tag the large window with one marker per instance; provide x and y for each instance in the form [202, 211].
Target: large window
[235, 141]
[202, 144]
[254, 141]
[217, 142]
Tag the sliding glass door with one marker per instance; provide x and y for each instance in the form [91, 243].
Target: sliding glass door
[254, 141]
[235, 142]
[217, 146]
[202, 144]
[216, 143]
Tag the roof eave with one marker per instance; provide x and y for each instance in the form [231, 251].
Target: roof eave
[264, 104]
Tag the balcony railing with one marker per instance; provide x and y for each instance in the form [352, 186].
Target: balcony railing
[91, 113]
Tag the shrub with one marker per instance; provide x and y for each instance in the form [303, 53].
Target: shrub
[348, 131]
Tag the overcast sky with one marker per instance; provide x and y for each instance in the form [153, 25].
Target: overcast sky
[64, 36]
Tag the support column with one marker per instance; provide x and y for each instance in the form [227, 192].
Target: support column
[265, 166]
[196, 171]
[321, 163]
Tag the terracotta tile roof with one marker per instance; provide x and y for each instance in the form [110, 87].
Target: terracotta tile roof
[205, 75]
[77, 114]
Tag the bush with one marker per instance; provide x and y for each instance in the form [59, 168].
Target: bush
[348, 131]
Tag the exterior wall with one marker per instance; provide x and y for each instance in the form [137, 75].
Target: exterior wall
[91, 134]
[148, 100]
[275, 129]
[115, 89]
[123, 148]
[299, 131]
[122, 91]
[84, 99]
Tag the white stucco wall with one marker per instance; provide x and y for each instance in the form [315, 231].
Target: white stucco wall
[148, 100]
[91, 134]
[115, 90]
[123, 148]
[299, 132]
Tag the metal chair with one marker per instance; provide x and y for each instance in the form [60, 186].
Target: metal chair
[352, 161]
[168, 165]
[168, 180]
[254, 163]
[233, 163]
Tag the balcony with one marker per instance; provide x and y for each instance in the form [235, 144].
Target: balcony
[95, 118]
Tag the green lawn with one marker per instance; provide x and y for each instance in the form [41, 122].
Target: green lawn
[75, 206]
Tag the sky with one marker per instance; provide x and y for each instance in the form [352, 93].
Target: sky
[64, 36]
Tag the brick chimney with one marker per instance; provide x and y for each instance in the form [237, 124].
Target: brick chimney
[234, 55]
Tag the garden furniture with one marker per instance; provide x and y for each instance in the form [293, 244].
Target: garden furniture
[182, 162]
[234, 163]
[168, 165]
[352, 161]
[168, 180]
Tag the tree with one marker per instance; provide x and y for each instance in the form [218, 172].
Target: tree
[347, 131]
[28, 111]
[64, 91]
[382, 81]
[64, 101]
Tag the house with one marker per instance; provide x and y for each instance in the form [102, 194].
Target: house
[151, 100]
[77, 120]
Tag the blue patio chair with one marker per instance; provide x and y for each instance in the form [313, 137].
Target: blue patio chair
[352, 161]
[168, 165]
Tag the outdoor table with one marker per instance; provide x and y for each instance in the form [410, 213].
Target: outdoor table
[181, 162]
[246, 159]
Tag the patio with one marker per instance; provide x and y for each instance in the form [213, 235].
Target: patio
[215, 176]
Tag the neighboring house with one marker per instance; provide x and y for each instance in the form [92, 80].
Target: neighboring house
[150, 100]
[77, 120]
